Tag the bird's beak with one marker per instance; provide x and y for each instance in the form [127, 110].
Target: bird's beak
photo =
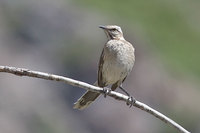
[102, 27]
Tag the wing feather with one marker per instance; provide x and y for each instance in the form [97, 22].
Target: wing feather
[100, 77]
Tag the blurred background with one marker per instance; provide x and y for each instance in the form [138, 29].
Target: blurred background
[62, 37]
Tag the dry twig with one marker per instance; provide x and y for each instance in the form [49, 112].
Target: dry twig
[116, 95]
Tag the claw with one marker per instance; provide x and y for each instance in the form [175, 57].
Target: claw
[131, 100]
[106, 91]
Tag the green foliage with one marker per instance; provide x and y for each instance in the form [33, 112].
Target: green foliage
[171, 27]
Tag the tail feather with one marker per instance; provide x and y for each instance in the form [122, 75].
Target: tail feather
[85, 100]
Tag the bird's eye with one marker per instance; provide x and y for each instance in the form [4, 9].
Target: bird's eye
[113, 29]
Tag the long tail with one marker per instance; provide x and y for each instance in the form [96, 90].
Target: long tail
[86, 99]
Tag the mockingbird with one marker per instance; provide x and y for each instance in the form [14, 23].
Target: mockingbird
[116, 62]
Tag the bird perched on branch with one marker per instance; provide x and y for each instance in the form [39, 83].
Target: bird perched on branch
[116, 62]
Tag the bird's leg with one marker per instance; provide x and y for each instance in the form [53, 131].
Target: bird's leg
[106, 91]
[131, 100]
[124, 90]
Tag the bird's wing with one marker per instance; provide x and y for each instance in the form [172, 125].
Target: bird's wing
[101, 62]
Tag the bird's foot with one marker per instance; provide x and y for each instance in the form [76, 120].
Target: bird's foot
[130, 101]
[106, 91]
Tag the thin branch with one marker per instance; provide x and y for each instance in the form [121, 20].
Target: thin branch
[116, 95]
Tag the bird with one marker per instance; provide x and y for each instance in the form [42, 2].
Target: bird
[116, 62]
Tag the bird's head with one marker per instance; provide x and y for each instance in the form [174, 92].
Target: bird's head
[113, 32]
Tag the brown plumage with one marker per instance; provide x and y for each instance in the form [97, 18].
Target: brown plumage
[116, 62]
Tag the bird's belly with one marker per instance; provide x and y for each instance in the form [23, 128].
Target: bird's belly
[114, 70]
